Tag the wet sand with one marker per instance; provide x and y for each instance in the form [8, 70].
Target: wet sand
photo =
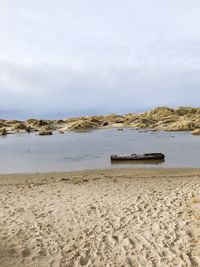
[101, 218]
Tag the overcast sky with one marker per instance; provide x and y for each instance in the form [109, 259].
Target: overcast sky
[72, 57]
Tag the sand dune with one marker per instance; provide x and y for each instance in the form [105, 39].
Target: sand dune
[101, 218]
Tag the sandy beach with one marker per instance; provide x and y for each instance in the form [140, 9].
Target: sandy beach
[101, 218]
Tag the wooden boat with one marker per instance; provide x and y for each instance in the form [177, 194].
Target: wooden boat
[145, 156]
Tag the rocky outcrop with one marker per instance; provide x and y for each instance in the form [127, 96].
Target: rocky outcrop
[3, 131]
[161, 112]
[158, 119]
[112, 118]
[38, 123]
[196, 132]
[43, 133]
[21, 127]
[187, 111]
[166, 119]
[83, 125]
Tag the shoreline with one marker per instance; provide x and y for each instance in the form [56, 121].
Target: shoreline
[8, 178]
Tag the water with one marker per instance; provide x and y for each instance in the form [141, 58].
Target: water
[22, 153]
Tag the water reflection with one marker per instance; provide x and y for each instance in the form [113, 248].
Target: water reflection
[138, 162]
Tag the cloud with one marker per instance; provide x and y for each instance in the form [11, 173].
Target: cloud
[88, 57]
[47, 90]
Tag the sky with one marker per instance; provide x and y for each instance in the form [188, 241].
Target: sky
[72, 57]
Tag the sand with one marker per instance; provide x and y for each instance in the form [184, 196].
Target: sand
[101, 218]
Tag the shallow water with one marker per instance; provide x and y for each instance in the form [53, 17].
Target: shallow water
[21, 153]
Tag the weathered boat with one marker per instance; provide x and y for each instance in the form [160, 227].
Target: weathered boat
[145, 156]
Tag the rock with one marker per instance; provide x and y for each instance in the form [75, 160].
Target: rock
[139, 126]
[95, 120]
[59, 121]
[28, 129]
[42, 123]
[159, 119]
[47, 128]
[83, 125]
[161, 112]
[11, 122]
[187, 110]
[141, 122]
[196, 132]
[35, 122]
[3, 131]
[112, 118]
[168, 120]
[19, 126]
[31, 121]
[45, 133]
[182, 126]
[120, 121]
[3, 124]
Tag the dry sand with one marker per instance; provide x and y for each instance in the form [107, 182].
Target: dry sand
[101, 218]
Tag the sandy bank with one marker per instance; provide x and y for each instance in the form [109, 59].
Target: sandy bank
[101, 218]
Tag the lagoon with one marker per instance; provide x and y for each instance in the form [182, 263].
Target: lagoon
[29, 153]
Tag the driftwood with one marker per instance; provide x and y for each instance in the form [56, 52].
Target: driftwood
[146, 156]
